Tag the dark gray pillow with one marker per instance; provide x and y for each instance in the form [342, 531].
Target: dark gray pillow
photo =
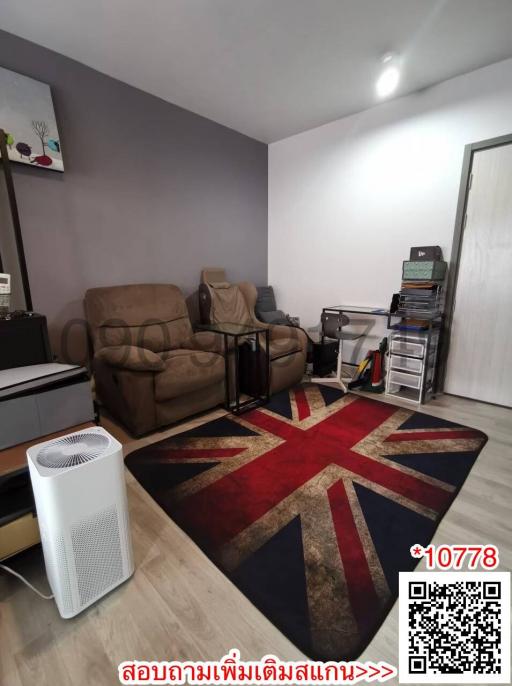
[275, 317]
[266, 301]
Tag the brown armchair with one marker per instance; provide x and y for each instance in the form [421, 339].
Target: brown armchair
[149, 367]
[221, 302]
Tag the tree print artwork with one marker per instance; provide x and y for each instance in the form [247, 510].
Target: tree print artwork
[28, 119]
[41, 130]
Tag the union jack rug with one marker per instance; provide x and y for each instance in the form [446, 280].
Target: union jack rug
[310, 505]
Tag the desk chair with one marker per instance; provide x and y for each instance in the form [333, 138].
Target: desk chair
[332, 327]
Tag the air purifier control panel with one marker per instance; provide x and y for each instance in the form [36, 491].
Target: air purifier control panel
[5, 292]
[5, 284]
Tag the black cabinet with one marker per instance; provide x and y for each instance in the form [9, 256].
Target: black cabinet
[24, 341]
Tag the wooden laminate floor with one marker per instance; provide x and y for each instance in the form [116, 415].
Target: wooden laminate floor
[178, 605]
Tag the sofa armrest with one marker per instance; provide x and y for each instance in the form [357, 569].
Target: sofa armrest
[207, 341]
[131, 357]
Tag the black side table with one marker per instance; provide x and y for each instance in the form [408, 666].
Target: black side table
[236, 332]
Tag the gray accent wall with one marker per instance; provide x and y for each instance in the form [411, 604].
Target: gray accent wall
[150, 193]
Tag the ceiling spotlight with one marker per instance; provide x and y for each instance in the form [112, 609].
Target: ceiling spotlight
[389, 77]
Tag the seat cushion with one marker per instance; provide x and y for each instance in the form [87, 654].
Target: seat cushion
[187, 371]
[228, 305]
[284, 346]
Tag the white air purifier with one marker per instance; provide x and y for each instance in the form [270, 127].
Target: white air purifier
[82, 510]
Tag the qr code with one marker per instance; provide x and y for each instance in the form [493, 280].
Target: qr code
[454, 628]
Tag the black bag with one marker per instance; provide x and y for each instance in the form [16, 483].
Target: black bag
[426, 252]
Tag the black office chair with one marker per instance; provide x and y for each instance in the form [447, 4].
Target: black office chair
[332, 327]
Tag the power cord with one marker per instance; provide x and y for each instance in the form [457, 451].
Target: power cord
[11, 571]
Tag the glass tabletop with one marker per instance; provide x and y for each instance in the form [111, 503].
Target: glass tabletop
[232, 328]
[361, 309]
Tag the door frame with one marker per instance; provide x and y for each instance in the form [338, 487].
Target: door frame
[453, 271]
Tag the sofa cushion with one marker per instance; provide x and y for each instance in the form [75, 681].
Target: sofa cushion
[187, 371]
[131, 357]
[152, 316]
[266, 301]
[135, 304]
[228, 305]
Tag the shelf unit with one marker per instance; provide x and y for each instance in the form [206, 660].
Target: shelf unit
[414, 342]
[412, 362]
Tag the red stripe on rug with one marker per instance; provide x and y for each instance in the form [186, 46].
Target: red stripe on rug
[362, 594]
[273, 425]
[246, 494]
[410, 487]
[354, 421]
[301, 400]
[433, 435]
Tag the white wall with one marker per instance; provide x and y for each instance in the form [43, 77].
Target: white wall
[347, 200]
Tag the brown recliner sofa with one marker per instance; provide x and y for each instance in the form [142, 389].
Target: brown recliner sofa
[150, 369]
[221, 302]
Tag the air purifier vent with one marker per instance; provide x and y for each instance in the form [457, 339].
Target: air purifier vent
[72, 450]
[97, 550]
[63, 573]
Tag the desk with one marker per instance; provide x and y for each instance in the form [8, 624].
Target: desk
[333, 319]
[357, 309]
[341, 310]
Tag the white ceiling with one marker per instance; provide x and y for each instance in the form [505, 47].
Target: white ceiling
[268, 68]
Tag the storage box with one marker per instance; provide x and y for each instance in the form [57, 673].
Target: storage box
[426, 253]
[405, 346]
[45, 411]
[406, 364]
[423, 270]
[404, 379]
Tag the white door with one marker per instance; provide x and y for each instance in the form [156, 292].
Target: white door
[480, 353]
